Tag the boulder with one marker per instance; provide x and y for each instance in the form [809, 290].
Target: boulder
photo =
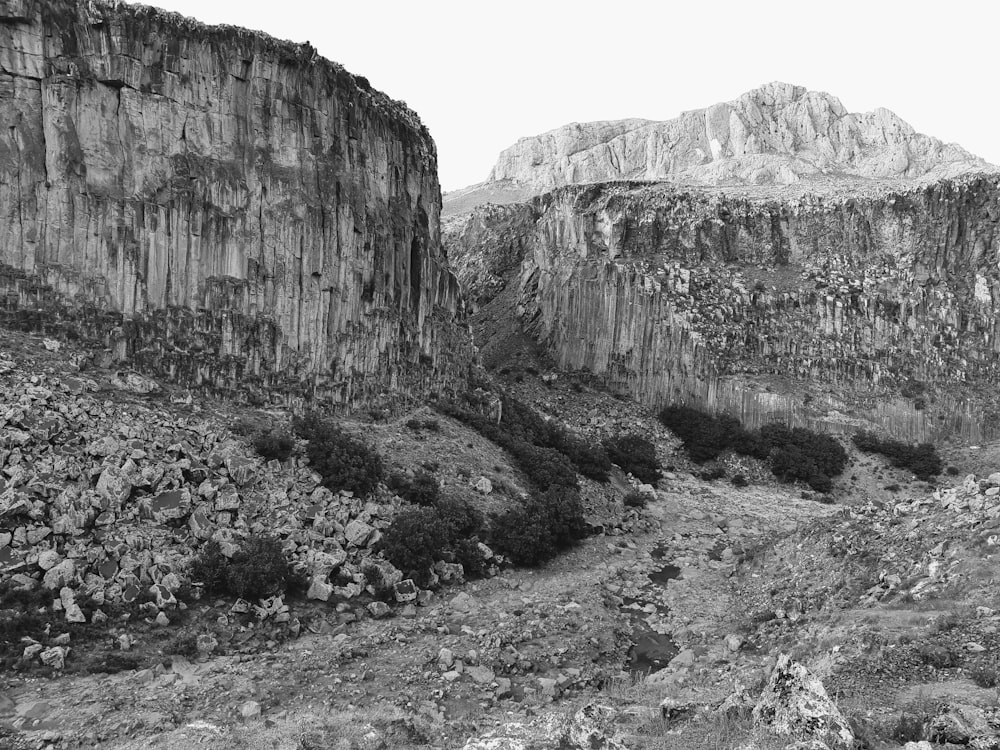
[319, 589]
[593, 727]
[795, 704]
[59, 575]
[358, 533]
[405, 591]
[54, 657]
[378, 610]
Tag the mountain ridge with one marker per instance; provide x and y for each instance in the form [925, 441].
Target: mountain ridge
[778, 133]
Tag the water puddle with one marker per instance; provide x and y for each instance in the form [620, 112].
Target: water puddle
[650, 652]
[665, 574]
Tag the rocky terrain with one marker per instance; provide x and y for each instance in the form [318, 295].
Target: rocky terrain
[207, 233]
[218, 207]
[684, 624]
[776, 134]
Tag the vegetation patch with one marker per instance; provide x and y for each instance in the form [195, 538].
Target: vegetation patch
[257, 570]
[793, 452]
[421, 535]
[541, 527]
[635, 455]
[344, 462]
[923, 459]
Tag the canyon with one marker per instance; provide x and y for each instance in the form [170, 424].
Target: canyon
[220, 208]
[836, 303]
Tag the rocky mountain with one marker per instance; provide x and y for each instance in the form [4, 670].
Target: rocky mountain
[776, 134]
[219, 207]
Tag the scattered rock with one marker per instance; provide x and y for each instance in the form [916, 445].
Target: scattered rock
[795, 703]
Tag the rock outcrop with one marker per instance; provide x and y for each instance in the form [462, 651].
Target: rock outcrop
[775, 134]
[830, 310]
[219, 207]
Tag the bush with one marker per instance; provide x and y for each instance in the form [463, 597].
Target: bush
[274, 444]
[415, 539]
[344, 462]
[257, 570]
[984, 674]
[423, 489]
[420, 536]
[431, 425]
[636, 499]
[713, 473]
[794, 453]
[544, 525]
[635, 455]
[545, 467]
[921, 459]
[739, 481]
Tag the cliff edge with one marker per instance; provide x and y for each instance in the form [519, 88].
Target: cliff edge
[219, 207]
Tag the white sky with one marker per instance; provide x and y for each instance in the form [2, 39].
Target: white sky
[483, 74]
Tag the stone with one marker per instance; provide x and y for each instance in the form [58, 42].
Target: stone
[463, 602]
[114, 485]
[250, 710]
[48, 559]
[319, 589]
[405, 591]
[73, 613]
[358, 533]
[733, 643]
[378, 610]
[480, 675]
[483, 485]
[593, 726]
[161, 619]
[59, 575]
[241, 470]
[795, 703]
[54, 657]
[445, 659]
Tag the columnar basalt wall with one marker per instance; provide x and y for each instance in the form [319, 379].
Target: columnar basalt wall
[836, 303]
[219, 207]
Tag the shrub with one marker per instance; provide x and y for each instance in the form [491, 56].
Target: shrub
[274, 444]
[921, 459]
[537, 530]
[794, 453]
[953, 471]
[420, 536]
[545, 467]
[635, 455]
[984, 674]
[713, 473]
[344, 462]
[739, 481]
[636, 499]
[431, 425]
[423, 489]
[414, 540]
[257, 570]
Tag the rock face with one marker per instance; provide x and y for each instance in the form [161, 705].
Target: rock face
[776, 134]
[218, 207]
[829, 310]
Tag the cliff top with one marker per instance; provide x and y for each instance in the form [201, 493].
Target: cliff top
[144, 21]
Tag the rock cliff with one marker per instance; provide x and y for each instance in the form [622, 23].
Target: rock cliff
[832, 309]
[219, 207]
[776, 134]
